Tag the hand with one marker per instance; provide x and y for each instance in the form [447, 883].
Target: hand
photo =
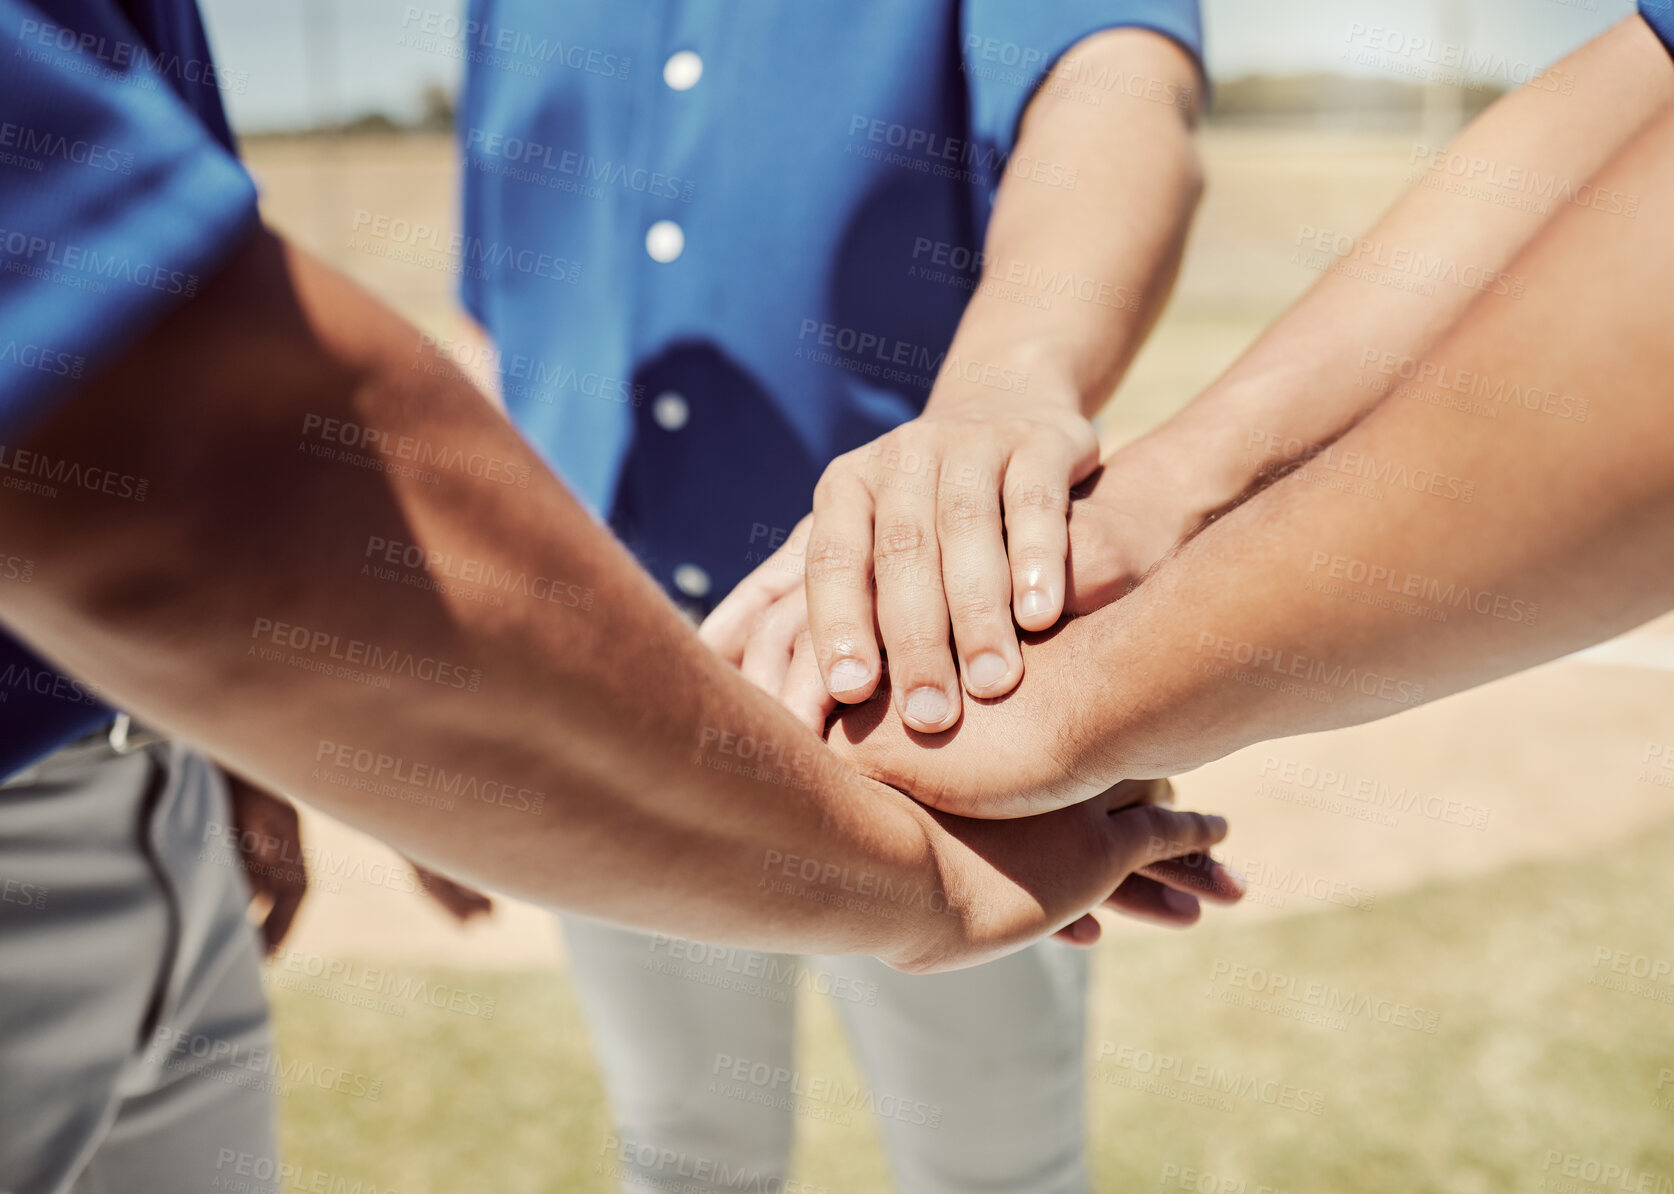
[1054, 732]
[1126, 517]
[1032, 751]
[270, 850]
[762, 628]
[958, 518]
[1165, 893]
[1007, 884]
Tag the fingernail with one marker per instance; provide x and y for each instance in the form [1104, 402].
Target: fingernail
[1179, 901]
[1034, 604]
[928, 705]
[987, 669]
[846, 674]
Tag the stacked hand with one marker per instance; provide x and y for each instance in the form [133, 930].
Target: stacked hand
[803, 621]
[953, 522]
[964, 527]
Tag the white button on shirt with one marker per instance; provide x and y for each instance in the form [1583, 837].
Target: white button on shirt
[683, 70]
[665, 240]
[691, 580]
[670, 410]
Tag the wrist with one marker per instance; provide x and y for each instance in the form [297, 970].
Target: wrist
[1200, 459]
[1243, 428]
[1158, 702]
[996, 368]
[1150, 496]
[921, 922]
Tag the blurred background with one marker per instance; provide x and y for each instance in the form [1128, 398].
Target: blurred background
[1497, 864]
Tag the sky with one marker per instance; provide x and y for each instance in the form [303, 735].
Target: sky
[359, 61]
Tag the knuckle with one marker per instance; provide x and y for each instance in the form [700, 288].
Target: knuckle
[1028, 557]
[1080, 437]
[901, 538]
[965, 511]
[830, 558]
[837, 480]
[1037, 497]
[975, 608]
[1020, 429]
[917, 644]
[852, 464]
[884, 454]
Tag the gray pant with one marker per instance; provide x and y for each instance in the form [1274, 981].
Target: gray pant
[975, 1078]
[133, 1028]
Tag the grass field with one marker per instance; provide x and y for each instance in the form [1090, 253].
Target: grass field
[1516, 1051]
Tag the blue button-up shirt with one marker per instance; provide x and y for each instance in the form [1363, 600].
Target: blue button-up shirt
[719, 242]
[119, 196]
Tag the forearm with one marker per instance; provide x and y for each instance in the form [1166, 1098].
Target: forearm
[1354, 338]
[430, 612]
[1088, 224]
[1427, 552]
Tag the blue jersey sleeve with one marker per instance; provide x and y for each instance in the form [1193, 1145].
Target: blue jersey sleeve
[1659, 15]
[119, 193]
[1010, 46]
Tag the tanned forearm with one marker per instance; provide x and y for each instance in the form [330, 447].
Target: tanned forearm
[351, 580]
[1427, 551]
[1088, 225]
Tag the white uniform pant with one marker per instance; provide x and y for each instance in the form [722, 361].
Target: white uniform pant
[975, 1077]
